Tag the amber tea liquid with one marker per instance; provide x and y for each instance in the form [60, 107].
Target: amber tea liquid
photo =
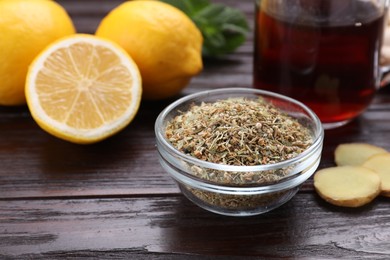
[331, 66]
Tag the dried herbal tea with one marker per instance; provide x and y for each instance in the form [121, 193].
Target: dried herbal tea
[240, 132]
[240, 202]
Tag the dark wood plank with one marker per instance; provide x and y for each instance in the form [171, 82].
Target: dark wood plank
[304, 227]
[35, 164]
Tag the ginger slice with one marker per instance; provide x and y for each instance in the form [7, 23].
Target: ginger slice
[355, 153]
[380, 163]
[347, 186]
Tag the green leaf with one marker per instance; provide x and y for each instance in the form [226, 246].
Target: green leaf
[223, 28]
[188, 7]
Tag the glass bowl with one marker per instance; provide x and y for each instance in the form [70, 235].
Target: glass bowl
[204, 182]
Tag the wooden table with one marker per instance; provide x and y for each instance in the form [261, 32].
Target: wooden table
[113, 200]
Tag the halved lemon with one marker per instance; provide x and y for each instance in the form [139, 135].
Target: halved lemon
[83, 89]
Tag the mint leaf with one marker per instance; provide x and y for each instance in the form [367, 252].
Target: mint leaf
[188, 7]
[223, 28]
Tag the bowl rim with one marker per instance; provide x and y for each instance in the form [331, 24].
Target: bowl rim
[317, 142]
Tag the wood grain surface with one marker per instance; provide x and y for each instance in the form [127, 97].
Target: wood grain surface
[113, 200]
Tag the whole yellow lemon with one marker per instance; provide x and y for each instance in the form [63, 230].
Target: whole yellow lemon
[26, 28]
[163, 41]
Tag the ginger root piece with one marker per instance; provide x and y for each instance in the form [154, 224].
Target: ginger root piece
[347, 186]
[380, 163]
[355, 153]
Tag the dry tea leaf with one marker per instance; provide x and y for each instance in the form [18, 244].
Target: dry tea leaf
[355, 153]
[347, 186]
[380, 163]
[238, 131]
